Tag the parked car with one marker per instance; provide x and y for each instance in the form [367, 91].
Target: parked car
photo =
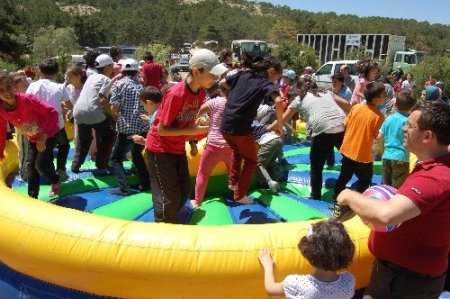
[183, 65]
[324, 73]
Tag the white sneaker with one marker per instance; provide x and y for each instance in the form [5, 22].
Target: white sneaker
[274, 186]
[245, 200]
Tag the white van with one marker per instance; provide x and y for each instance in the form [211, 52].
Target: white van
[324, 73]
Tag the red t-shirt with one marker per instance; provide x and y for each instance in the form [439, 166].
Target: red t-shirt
[32, 116]
[178, 110]
[151, 73]
[421, 244]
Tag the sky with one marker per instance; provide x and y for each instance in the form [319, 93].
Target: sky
[433, 11]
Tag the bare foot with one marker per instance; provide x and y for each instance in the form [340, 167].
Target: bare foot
[245, 200]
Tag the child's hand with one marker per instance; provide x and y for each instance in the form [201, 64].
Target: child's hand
[265, 258]
[194, 150]
[40, 144]
[144, 117]
[138, 139]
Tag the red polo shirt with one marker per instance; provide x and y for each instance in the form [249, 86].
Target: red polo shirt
[421, 244]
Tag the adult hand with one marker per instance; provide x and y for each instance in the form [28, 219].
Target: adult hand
[138, 139]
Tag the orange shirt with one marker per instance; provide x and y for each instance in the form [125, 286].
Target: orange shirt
[362, 126]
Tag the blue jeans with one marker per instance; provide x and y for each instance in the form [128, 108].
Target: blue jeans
[123, 145]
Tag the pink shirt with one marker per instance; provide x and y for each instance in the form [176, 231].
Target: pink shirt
[216, 107]
[360, 87]
[32, 116]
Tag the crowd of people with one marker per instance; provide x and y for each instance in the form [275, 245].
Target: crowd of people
[119, 106]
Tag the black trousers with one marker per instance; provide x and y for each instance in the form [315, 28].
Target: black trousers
[40, 163]
[170, 183]
[63, 146]
[321, 146]
[105, 136]
[388, 281]
[363, 172]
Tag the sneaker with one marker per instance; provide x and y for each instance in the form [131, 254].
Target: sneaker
[63, 176]
[54, 189]
[342, 213]
[119, 191]
[274, 186]
[245, 200]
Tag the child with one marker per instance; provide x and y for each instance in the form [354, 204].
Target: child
[328, 248]
[248, 88]
[390, 139]
[368, 71]
[362, 126]
[270, 149]
[126, 108]
[216, 148]
[20, 85]
[55, 95]
[37, 120]
[173, 126]
[93, 112]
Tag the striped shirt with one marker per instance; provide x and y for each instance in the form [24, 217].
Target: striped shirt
[125, 94]
[216, 107]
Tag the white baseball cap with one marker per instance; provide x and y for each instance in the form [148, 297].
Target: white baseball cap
[103, 60]
[130, 65]
[207, 60]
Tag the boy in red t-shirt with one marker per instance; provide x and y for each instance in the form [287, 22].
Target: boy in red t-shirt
[174, 124]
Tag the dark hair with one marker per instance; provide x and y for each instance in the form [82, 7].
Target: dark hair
[260, 65]
[373, 91]
[147, 56]
[405, 101]
[224, 54]
[130, 73]
[365, 66]
[306, 84]
[328, 246]
[78, 71]
[339, 77]
[115, 52]
[434, 116]
[90, 57]
[151, 93]
[49, 66]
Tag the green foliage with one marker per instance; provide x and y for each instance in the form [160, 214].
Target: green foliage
[160, 51]
[8, 66]
[295, 56]
[51, 42]
[282, 30]
[437, 65]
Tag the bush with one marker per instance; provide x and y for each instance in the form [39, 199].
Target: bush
[8, 66]
[296, 56]
[161, 52]
[438, 66]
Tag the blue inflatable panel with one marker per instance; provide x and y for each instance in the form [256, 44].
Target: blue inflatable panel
[88, 201]
[148, 216]
[14, 285]
[289, 147]
[251, 214]
[322, 206]
[329, 178]
[304, 159]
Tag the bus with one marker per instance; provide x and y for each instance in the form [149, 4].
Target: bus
[254, 47]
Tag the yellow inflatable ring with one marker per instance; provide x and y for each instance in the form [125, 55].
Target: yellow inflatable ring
[111, 257]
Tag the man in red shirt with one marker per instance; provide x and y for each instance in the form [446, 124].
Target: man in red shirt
[411, 261]
[151, 71]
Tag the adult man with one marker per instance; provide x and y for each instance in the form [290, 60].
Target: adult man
[411, 260]
[151, 71]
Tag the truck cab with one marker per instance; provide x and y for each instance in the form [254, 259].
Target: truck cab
[407, 59]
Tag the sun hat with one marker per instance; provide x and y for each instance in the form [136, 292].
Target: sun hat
[289, 73]
[103, 60]
[130, 65]
[207, 60]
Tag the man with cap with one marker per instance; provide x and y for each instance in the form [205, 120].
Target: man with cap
[175, 124]
[126, 110]
[92, 111]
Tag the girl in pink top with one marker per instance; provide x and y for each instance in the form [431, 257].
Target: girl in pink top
[368, 70]
[37, 120]
[216, 148]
